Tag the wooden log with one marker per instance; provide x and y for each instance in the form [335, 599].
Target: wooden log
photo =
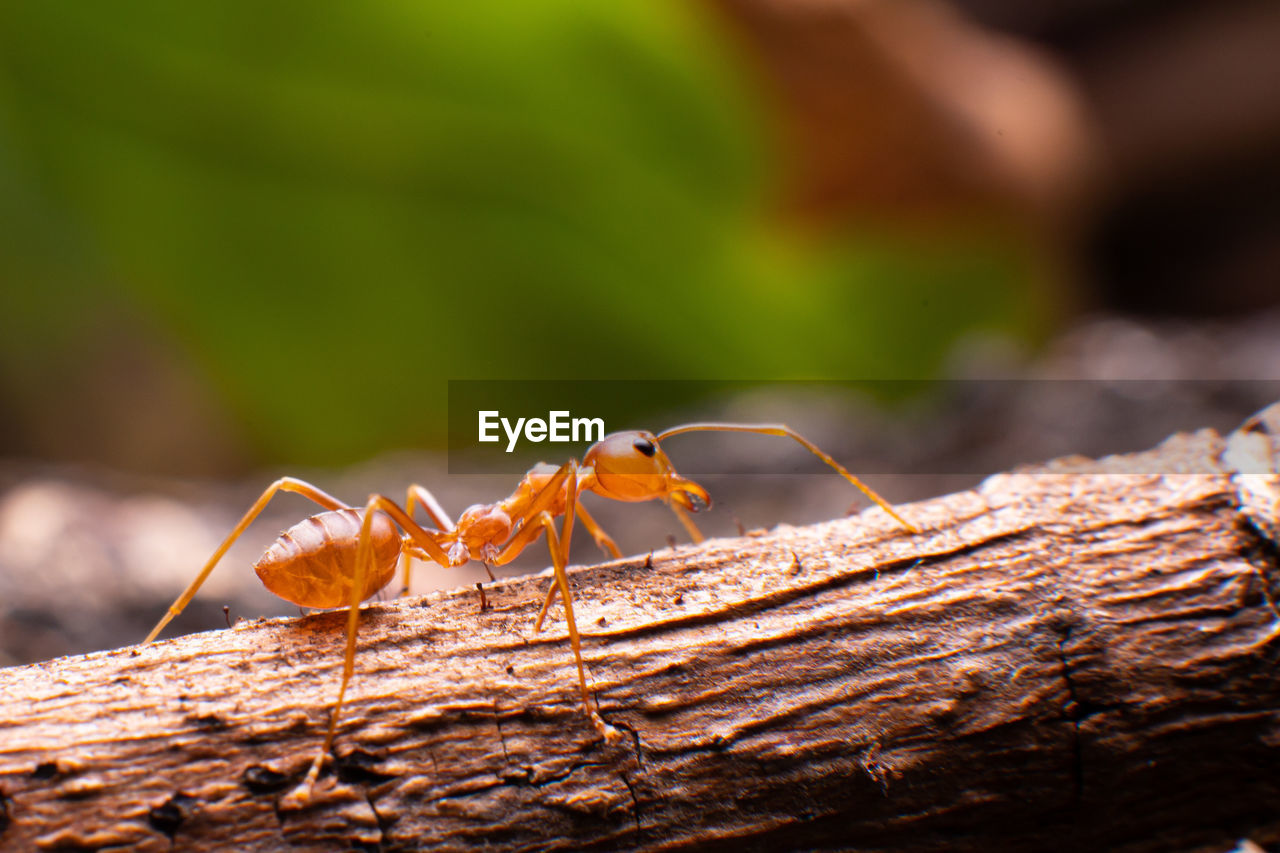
[1078, 656]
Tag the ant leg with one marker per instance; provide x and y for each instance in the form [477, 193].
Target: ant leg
[532, 526]
[546, 605]
[419, 494]
[562, 580]
[559, 548]
[607, 544]
[683, 514]
[420, 536]
[286, 484]
[603, 540]
[535, 520]
[364, 559]
[438, 515]
[406, 564]
[788, 432]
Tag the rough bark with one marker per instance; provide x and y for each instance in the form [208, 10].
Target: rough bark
[1079, 656]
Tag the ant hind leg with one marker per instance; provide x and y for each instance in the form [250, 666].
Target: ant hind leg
[284, 484]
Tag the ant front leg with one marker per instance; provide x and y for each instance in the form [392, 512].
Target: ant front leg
[537, 519]
[559, 548]
[284, 484]
[683, 514]
[603, 540]
[605, 543]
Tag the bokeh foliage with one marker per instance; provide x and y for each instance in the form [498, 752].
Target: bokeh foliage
[333, 208]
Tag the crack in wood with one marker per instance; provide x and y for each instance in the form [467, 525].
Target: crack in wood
[497, 720]
[635, 801]
[1263, 556]
[383, 823]
[1073, 712]
[635, 737]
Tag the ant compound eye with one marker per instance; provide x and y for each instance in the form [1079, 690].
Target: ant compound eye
[645, 446]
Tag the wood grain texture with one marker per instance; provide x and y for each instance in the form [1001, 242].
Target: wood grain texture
[1078, 656]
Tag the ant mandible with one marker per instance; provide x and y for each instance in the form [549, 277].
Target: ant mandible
[345, 555]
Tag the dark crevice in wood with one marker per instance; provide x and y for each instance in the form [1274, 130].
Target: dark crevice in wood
[278, 813]
[384, 823]
[635, 801]
[360, 767]
[1074, 714]
[45, 770]
[635, 738]
[169, 816]
[263, 781]
[497, 721]
[523, 775]
[1263, 553]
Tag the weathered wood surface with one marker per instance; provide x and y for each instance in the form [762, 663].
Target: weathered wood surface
[1081, 656]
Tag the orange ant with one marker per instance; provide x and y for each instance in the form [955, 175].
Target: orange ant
[345, 555]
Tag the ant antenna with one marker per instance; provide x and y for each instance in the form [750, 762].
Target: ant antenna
[784, 430]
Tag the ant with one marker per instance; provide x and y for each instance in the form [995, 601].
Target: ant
[345, 555]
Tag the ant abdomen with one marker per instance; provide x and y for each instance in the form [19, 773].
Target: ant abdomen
[313, 563]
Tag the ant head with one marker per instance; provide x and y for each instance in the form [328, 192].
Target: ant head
[630, 466]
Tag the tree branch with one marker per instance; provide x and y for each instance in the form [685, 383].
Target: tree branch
[1078, 656]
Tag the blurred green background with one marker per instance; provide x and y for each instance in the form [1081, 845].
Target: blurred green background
[239, 234]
